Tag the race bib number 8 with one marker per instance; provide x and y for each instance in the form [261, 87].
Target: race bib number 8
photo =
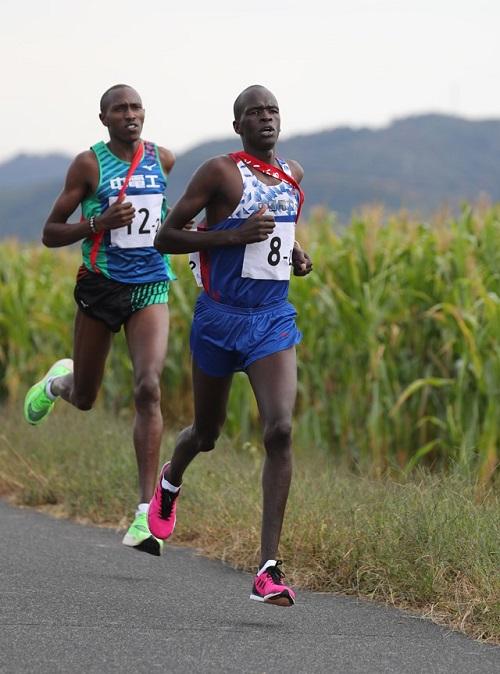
[142, 230]
[271, 259]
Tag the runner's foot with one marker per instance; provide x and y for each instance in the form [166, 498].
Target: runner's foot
[139, 537]
[161, 512]
[267, 586]
[37, 403]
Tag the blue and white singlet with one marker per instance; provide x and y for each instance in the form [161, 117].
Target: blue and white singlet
[257, 274]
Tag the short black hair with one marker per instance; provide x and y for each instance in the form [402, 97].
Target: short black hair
[107, 94]
[238, 104]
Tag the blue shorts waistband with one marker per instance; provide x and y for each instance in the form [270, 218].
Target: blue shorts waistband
[248, 311]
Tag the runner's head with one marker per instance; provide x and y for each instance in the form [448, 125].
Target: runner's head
[122, 113]
[257, 117]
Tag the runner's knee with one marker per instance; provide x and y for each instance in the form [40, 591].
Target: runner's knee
[147, 391]
[278, 436]
[83, 402]
[205, 439]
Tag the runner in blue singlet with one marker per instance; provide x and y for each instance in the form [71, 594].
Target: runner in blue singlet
[242, 320]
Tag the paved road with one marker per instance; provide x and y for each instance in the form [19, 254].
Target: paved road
[73, 599]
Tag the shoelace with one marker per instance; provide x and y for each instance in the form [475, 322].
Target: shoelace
[167, 501]
[275, 572]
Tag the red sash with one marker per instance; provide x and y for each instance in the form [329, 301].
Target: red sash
[97, 238]
[269, 170]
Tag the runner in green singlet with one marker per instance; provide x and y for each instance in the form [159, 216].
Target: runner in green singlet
[123, 281]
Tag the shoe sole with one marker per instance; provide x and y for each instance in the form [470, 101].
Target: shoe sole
[279, 600]
[26, 410]
[149, 545]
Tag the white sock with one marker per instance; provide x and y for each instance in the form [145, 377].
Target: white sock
[270, 562]
[142, 508]
[170, 487]
[48, 390]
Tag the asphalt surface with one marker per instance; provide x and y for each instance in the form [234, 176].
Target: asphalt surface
[74, 599]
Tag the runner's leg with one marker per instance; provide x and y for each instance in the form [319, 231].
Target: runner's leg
[210, 402]
[274, 382]
[91, 344]
[147, 337]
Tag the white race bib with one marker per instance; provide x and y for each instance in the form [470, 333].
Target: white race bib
[271, 259]
[142, 230]
[195, 266]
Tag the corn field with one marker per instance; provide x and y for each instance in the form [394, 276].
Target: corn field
[400, 361]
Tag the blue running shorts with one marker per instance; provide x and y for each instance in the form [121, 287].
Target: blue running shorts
[226, 339]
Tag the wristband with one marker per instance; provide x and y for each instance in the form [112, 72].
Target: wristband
[92, 224]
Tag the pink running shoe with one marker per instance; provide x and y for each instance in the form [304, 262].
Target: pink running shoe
[267, 585]
[161, 511]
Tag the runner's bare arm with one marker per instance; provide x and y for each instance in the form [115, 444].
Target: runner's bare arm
[81, 179]
[167, 159]
[205, 186]
[296, 169]
[302, 264]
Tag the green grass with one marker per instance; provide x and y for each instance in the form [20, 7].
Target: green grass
[428, 542]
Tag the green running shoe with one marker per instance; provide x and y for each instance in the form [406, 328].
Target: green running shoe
[37, 405]
[139, 537]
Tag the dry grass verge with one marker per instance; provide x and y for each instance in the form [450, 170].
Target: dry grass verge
[428, 543]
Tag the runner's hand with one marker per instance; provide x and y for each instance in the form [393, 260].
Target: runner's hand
[302, 264]
[119, 214]
[258, 227]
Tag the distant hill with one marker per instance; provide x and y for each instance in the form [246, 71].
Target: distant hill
[417, 163]
[32, 169]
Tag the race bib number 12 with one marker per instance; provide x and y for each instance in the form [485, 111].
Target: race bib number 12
[142, 230]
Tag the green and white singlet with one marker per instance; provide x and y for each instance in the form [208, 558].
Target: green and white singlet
[127, 254]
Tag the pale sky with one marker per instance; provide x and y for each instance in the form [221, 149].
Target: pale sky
[330, 63]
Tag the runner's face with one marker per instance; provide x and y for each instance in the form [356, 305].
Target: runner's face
[259, 123]
[124, 115]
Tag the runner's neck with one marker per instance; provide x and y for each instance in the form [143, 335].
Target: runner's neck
[267, 156]
[124, 151]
